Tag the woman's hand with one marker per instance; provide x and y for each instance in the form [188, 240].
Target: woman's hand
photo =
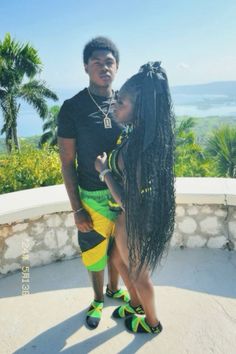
[101, 162]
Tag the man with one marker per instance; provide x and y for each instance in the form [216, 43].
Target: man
[85, 130]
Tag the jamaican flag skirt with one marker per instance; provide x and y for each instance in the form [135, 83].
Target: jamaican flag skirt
[95, 245]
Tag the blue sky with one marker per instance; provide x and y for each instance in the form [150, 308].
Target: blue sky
[195, 40]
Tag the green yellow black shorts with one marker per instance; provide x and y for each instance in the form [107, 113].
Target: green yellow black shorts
[95, 244]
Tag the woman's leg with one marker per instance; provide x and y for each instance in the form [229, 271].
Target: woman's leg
[122, 268]
[143, 287]
[146, 293]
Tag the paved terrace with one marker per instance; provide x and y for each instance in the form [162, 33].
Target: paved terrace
[195, 297]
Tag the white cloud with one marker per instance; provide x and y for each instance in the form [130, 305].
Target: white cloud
[183, 66]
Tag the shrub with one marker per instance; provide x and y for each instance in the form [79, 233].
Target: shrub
[29, 168]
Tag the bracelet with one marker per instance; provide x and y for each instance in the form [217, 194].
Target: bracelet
[77, 211]
[103, 173]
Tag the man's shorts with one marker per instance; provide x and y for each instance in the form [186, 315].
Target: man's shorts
[95, 244]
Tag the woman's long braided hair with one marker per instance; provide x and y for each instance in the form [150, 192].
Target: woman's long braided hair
[149, 168]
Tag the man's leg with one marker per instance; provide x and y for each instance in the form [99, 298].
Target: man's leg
[113, 275]
[94, 312]
[94, 247]
[97, 279]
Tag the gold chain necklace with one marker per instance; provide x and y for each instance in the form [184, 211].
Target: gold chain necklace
[106, 119]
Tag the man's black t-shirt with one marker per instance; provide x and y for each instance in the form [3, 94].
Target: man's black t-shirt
[79, 118]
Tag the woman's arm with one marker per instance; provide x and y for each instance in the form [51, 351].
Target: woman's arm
[115, 188]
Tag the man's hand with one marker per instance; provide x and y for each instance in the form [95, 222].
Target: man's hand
[101, 162]
[83, 221]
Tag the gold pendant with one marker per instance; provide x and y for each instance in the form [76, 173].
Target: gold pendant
[107, 123]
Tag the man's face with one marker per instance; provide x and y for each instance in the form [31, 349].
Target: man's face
[101, 68]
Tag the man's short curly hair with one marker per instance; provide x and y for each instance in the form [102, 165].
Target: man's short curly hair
[100, 43]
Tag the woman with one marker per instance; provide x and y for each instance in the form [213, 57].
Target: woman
[140, 176]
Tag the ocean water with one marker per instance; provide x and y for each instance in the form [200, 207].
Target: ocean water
[204, 105]
[29, 123]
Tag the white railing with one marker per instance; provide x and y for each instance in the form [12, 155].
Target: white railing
[41, 218]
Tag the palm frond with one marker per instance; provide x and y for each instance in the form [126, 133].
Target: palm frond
[49, 125]
[39, 87]
[3, 94]
[35, 93]
[221, 145]
[22, 58]
[185, 125]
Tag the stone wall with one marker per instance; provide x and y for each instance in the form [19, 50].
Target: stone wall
[38, 241]
[51, 237]
[212, 226]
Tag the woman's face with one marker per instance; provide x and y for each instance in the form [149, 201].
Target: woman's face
[124, 108]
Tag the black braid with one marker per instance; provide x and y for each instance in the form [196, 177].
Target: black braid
[150, 198]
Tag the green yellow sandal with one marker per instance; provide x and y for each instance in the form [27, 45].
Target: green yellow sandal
[137, 324]
[127, 310]
[120, 294]
[94, 314]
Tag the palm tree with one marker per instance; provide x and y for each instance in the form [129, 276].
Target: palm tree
[19, 62]
[50, 127]
[183, 132]
[189, 155]
[221, 146]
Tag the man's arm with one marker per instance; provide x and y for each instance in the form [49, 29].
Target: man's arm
[67, 152]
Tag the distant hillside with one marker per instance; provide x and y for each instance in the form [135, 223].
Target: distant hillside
[32, 140]
[205, 125]
[227, 88]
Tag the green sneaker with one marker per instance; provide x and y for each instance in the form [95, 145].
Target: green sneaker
[137, 324]
[127, 310]
[94, 314]
[120, 294]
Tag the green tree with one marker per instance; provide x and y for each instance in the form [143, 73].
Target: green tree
[19, 64]
[190, 158]
[221, 147]
[50, 127]
[183, 132]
